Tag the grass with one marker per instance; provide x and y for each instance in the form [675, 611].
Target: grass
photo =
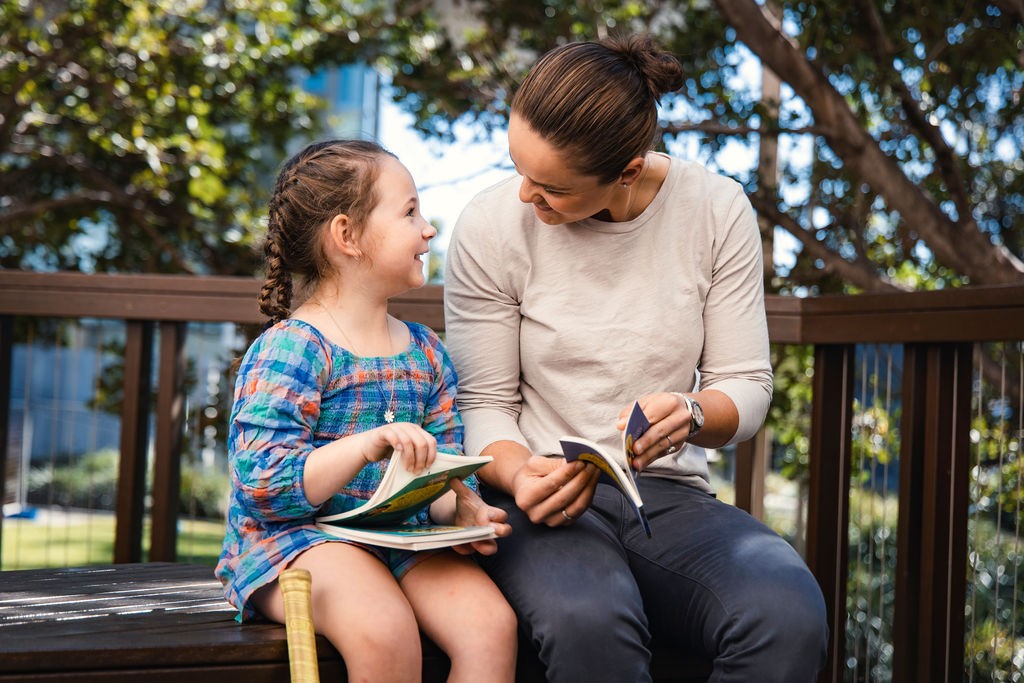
[75, 540]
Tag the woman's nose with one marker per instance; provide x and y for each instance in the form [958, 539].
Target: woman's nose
[528, 191]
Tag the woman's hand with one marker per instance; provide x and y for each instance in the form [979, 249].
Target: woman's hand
[670, 425]
[553, 492]
[471, 510]
[417, 446]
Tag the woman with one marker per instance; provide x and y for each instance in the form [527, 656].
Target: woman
[607, 273]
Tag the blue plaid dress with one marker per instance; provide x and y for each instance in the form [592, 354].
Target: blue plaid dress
[295, 392]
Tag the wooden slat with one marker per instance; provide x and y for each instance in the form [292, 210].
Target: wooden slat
[6, 360]
[828, 505]
[170, 410]
[131, 478]
[930, 584]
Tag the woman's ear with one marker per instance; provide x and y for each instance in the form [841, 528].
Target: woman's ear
[341, 236]
[631, 173]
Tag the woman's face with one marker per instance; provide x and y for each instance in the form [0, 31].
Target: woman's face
[558, 193]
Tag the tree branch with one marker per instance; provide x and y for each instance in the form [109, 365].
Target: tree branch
[715, 128]
[981, 260]
[861, 273]
[946, 160]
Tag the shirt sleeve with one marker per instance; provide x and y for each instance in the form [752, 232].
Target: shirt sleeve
[277, 404]
[482, 332]
[735, 358]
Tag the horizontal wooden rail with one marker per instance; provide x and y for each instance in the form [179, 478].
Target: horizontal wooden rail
[965, 314]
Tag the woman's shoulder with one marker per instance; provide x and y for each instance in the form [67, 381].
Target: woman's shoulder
[696, 177]
[499, 202]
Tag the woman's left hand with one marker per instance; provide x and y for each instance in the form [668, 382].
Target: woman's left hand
[670, 425]
[471, 510]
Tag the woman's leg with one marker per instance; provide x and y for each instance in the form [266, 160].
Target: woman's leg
[359, 606]
[462, 611]
[574, 595]
[716, 580]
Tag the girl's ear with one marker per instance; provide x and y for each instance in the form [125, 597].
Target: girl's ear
[341, 236]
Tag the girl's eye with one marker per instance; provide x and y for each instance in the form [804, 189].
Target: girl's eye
[550, 190]
[410, 213]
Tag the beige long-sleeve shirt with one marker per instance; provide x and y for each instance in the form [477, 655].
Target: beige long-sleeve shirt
[553, 330]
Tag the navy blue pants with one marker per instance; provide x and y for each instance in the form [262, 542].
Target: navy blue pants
[711, 580]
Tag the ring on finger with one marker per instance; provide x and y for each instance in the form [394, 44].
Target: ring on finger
[567, 516]
[672, 448]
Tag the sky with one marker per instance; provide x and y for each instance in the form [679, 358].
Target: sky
[447, 175]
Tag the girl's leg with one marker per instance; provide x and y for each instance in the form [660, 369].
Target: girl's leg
[359, 606]
[462, 611]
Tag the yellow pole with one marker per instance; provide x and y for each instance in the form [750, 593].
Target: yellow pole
[298, 621]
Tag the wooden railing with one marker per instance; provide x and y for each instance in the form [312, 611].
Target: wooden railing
[937, 330]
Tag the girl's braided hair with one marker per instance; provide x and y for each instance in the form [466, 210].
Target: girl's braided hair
[323, 180]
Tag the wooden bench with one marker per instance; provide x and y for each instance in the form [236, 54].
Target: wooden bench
[167, 622]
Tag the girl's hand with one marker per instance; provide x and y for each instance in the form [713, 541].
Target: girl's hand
[471, 510]
[417, 446]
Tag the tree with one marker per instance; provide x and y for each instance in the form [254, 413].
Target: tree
[913, 111]
[141, 136]
[900, 131]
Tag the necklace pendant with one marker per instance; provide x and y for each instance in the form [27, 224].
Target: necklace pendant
[389, 415]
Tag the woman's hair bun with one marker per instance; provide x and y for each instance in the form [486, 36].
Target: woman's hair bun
[661, 70]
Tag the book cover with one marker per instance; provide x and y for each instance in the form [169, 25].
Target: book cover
[612, 470]
[411, 537]
[400, 495]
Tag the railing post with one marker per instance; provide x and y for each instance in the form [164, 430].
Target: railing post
[751, 470]
[6, 365]
[931, 555]
[170, 410]
[131, 480]
[828, 505]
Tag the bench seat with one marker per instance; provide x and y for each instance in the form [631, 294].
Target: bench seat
[168, 622]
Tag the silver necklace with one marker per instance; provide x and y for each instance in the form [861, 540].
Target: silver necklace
[389, 404]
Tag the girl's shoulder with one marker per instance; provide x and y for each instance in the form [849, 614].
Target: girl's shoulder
[421, 335]
[291, 340]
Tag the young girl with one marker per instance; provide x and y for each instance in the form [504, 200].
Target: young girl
[323, 398]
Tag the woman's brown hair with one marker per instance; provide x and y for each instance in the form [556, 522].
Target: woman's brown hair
[323, 180]
[598, 101]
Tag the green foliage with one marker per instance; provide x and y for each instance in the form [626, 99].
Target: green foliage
[90, 483]
[790, 414]
[141, 136]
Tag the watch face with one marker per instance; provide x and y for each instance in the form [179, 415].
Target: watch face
[697, 413]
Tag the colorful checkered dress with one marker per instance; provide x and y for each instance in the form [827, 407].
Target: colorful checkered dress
[296, 391]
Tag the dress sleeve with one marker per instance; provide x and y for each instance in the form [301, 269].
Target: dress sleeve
[277, 404]
[482, 322]
[441, 416]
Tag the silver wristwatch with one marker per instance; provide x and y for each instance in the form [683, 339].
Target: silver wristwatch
[696, 416]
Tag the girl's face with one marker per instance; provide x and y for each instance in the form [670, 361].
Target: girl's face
[396, 234]
[559, 194]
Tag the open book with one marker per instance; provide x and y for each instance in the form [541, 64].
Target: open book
[612, 471]
[400, 495]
